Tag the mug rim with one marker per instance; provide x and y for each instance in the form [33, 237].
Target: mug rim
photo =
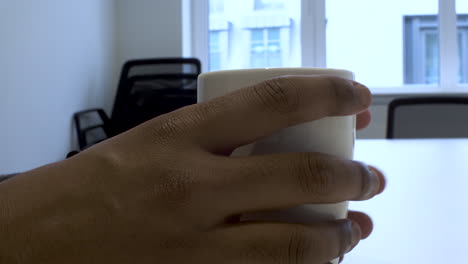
[264, 70]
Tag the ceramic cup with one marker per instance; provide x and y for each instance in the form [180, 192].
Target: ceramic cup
[331, 135]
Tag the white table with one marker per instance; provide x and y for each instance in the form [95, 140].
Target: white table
[422, 217]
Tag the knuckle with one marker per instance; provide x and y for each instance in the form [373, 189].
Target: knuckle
[198, 114]
[278, 95]
[263, 250]
[345, 240]
[298, 246]
[363, 172]
[171, 125]
[179, 122]
[210, 108]
[341, 92]
[286, 247]
[168, 125]
[175, 187]
[315, 177]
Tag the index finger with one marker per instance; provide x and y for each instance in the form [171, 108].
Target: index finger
[248, 114]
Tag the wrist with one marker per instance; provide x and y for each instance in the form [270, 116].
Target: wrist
[24, 208]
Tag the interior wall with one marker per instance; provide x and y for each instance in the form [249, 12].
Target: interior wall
[149, 29]
[57, 57]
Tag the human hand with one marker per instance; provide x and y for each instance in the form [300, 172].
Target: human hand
[168, 191]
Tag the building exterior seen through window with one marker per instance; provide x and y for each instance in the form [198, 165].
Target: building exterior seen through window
[421, 41]
[462, 30]
[269, 4]
[254, 34]
[265, 48]
[214, 47]
[400, 47]
[216, 6]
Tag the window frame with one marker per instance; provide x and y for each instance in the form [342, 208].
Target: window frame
[313, 36]
[464, 55]
[210, 44]
[256, 8]
[415, 29]
[418, 26]
[265, 42]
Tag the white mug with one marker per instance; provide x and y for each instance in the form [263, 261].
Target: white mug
[330, 135]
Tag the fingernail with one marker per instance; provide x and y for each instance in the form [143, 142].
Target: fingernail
[372, 186]
[355, 235]
[382, 180]
[363, 93]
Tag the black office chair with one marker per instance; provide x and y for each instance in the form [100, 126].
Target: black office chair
[428, 117]
[147, 89]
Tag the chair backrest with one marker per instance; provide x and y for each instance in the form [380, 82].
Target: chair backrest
[160, 66]
[428, 117]
[149, 88]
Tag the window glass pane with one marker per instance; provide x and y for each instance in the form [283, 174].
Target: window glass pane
[385, 43]
[431, 58]
[462, 28]
[274, 34]
[216, 6]
[269, 4]
[257, 35]
[214, 51]
[258, 50]
[266, 52]
[251, 37]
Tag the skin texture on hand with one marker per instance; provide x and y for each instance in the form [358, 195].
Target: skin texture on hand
[169, 192]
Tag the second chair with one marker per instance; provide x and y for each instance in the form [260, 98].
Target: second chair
[428, 117]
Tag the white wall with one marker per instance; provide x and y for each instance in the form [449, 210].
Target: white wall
[56, 57]
[149, 28]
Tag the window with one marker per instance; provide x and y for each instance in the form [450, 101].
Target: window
[265, 50]
[391, 46]
[422, 64]
[462, 37]
[375, 51]
[463, 55]
[269, 4]
[218, 35]
[216, 6]
[214, 48]
[253, 34]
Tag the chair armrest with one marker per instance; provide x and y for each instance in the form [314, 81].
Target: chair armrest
[81, 132]
[7, 176]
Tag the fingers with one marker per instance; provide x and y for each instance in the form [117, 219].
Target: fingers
[284, 180]
[364, 222]
[258, 242]
[383, 180]
[254, 112]
[363, 120]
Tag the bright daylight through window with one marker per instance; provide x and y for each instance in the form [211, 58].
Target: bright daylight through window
[388, 44]
[254, 34]
[462, 40]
